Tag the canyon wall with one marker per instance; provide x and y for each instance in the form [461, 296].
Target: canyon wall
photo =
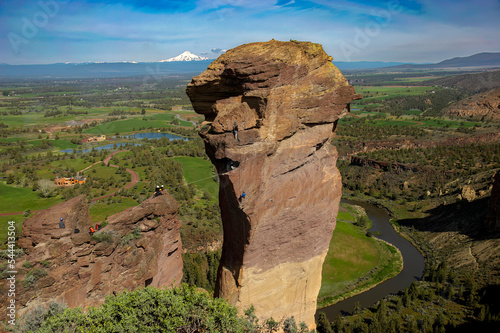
[492, 222]
[284, 99]
[138, 247]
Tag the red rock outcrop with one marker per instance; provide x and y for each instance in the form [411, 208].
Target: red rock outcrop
[140, 246]
[492, 222]
[285, 98]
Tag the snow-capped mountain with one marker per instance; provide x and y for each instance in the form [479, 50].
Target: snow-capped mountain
[185, 56]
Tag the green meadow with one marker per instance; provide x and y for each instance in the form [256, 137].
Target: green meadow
[20, 199]
[198, 171]
[355, 261]
[384, 92]
[351, 255]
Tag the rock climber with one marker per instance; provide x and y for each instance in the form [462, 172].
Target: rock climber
[157, 191]
[91, 231]
[61, 223]
[235, 131]
[243, 195]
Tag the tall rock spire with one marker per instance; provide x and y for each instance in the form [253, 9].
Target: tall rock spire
[273, 109]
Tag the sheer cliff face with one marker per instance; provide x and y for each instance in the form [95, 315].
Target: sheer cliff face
[140, 246]
[285, 99]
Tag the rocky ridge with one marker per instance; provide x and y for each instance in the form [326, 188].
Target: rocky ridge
[138, 247]
[284, 99]
[484, 106]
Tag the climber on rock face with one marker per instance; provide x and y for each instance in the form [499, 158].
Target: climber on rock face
[235, 131]
[61, 223]
[243, 195]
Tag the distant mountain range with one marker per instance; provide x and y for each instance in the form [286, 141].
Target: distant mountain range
[188, 63]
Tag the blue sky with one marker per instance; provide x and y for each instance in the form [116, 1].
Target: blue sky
[49, 31]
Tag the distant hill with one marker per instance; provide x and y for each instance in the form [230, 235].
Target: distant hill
[473, 83]
[479, 60]
[485, 59]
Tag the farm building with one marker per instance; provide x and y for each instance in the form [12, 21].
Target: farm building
[64, 181]
[98, 138]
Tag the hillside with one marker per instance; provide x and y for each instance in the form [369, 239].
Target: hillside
[484, 106]
[473, 83]
[485, 59]
[476, 61]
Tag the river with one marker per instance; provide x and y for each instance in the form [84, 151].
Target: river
[413, 265]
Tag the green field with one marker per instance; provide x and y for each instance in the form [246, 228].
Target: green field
[198, 171]
[19, 199]
[384, 92]
[59, 144]
[4, 220]
[101, 210]
[354, 262]
[74, 163]
[351, 255]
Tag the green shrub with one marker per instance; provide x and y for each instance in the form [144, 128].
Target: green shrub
[6, 254]
[103, 236]
[45, 263]
[136, 234]
[28, 281]
[33, 319]
[32, 276]
[181, 309]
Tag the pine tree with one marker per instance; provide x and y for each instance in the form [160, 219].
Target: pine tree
[323, 325]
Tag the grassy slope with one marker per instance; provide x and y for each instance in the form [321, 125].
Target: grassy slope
[198, 171]
[19, 199]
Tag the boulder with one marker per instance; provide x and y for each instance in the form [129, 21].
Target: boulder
[285, 99]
